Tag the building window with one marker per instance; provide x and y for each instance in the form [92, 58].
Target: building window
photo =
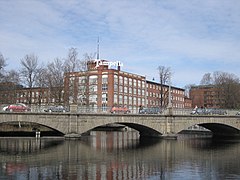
[120, 99]
[104, 79]
[139, 101]
[130, 90]
[104, 98]
[82, 80]
[115, 79]
[125, 89]
[125, 100]
[104, 87]
[139, 83]
[134, 91]
[120, 80]
[120, 89]
[93, 98]
[139, 92]
[104, 107]
[125, 81]
[134, 82]
[134, 101]
[92, 88]
[115, 99]
[93, 79]
[115, 88]
[130, 100]
[130, 82]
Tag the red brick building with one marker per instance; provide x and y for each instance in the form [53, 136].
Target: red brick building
[205, 96]
[104, 85]
[11, 93]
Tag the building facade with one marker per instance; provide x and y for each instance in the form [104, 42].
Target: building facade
[104, 85]
[11, 93]
[205, 96]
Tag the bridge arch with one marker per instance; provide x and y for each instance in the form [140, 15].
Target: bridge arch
[218, 125]
[28, 126]
[221, 129]
[143, 130]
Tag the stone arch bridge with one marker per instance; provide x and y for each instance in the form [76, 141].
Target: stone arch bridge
[147, 125]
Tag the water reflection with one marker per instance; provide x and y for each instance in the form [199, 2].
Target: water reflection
[118, 155]
[117, 140]
[26, 145]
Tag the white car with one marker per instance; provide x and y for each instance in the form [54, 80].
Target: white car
[56, 109]
[5, 108]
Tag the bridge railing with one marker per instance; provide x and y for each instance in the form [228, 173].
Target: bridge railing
[178, 111]
[104, 110]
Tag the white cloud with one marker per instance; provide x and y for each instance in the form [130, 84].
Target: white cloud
[177, 33]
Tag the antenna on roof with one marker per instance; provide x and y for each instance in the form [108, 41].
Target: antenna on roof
[98, 48]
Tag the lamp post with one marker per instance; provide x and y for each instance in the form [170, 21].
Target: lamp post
[169, 94]
[170, 99]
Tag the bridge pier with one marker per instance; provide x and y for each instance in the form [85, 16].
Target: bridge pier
[72, 136]
[73, 108]
[169, 136]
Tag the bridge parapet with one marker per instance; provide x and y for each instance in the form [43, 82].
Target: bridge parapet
[148, 125]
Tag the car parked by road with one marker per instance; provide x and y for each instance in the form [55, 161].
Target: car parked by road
[150, 110]
[56, 109]
[200, 111]
[120, 109]
[216, 111]
[4, 108]
[19, 107]
[209, 111]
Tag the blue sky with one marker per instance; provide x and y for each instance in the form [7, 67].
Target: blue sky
[192, 37]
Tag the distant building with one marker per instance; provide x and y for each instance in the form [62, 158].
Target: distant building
[187, 103]
[205, 96]
[154, 95]
[8, 92]
[11, 93]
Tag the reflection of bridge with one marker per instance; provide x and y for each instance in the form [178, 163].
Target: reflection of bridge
[70, 158]
[147, 125]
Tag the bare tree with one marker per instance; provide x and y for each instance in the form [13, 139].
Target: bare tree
[72, 63]
[87, 58]
[42, 77]
[29, 72]
[228, 89]
[12, 76]
[164, 77]
[2, 65]
[55, 71]
[206, 79]
[187, 89]
[41, 82]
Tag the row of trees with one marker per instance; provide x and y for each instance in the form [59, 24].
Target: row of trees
[33, 74]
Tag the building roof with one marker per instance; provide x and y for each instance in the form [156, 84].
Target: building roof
[156, 83]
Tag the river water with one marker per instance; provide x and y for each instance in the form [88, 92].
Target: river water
[119, 155]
